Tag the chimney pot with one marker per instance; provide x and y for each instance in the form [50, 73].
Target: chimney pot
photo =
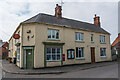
[56, 4]
[97, 20]
[95, 15]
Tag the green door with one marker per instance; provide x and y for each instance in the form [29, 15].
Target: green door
[29, 59]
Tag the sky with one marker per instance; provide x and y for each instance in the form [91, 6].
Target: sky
[13, 12]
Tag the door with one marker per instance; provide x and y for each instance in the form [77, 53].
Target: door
[29, 59]
[92, 54]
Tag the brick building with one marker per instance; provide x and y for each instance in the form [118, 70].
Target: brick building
[116, 45]
[4, 48]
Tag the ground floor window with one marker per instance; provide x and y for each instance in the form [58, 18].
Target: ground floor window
[79, 52]
[18, 53]
[102, 51]
[70, 54]
[53, 54]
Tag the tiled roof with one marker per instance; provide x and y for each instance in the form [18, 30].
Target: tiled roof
[117, 40]
[50, 19]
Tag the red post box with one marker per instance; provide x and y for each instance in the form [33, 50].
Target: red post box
[63, 57]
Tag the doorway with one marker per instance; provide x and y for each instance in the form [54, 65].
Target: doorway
[93, 54]
[28, 60]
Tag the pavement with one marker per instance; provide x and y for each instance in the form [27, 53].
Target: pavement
[13, 69]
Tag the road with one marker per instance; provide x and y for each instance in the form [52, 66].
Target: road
[110, 71]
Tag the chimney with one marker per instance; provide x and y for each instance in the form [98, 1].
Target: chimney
[58, 11]
[97, 20]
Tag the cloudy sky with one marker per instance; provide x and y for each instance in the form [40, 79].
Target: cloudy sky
[15, 11]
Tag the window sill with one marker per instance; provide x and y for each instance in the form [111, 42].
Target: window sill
[53, 60]
[53, 39]
[80, 58]
[80, 41]
[102, 42]
[103, 56]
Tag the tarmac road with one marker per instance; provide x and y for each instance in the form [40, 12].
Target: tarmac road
[109, 71]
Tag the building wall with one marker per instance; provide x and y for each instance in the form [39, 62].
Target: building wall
[13, 47]
[67, 36]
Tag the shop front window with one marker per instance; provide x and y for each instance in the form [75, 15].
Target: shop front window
[53, 54]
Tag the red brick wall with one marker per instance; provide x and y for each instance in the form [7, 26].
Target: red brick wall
[4, 49]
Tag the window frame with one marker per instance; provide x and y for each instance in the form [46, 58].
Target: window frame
[92, 39]
[18, 53]
[104, 52]
[51, 34]
[79, 36]
[82, 53]
[70, 54]
[56, 54]
[102, 39]
[19, 35]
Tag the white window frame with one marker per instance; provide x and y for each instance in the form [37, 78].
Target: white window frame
[18, 53]
[104, 50]
[51, 34]
[52, 54]
[82, 52]
[79, 36]
[102, 39]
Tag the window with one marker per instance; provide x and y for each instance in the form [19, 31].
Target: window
[53, 54]
[102, 51]
[102, 39]
[80, 52]
[91, 37]
[53, 34]
[18, 53]
[70, 53]
[79, 36]
[19, 34]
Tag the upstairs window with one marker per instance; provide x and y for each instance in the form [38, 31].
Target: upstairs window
[19, 34]
[53, 34]
[79, 36]
[102, 39]
[92, 38]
